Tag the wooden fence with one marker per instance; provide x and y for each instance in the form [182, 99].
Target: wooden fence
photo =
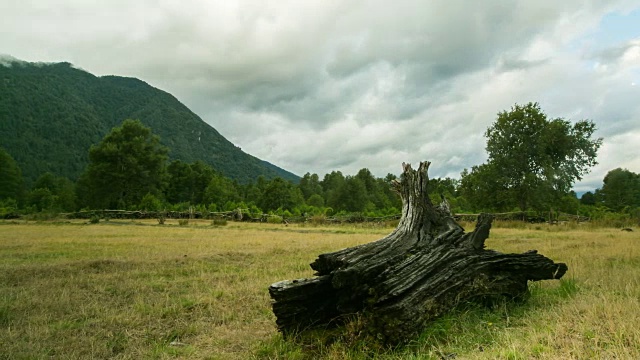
[244, 215]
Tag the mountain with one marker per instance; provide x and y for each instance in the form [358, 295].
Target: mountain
[50, 114]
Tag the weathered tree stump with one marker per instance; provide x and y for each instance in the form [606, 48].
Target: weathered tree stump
[424, 268]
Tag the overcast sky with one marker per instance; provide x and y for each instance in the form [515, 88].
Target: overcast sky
[316, 86]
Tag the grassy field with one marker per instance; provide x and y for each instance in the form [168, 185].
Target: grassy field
[135, 290]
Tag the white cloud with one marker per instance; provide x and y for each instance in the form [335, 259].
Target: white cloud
[331, 85]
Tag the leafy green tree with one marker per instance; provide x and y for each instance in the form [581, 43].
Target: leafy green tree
[315, 200]
[310, 185]
[220, 191]
[368, 180]
[569, 203]
[360, 193]
[127, 164]
[332, 184]
[179, 186]
[621, 189]
[536, 159]
[202, 174]
[8, 208]
[281, 194]
[150, 203]
[188, 182]
[588, 198]
[447, 188]
[52, 193]
[484, 189]
[46, 181]
[62, 188]
[11, 181]
[251, 194]
[42, 199]
[353, 195]
[393, 200]
[376, 198]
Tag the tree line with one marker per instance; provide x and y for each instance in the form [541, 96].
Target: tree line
[533, 162]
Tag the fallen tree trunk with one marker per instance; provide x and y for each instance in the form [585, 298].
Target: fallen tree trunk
[423, 269]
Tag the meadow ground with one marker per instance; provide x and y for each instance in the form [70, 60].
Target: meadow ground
[136, 290]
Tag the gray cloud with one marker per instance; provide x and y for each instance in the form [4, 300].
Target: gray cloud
[611, 54]
[330, 85]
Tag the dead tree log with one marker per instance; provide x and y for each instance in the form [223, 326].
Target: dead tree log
[424, 268]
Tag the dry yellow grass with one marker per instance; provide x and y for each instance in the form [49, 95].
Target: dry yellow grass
[131, 290]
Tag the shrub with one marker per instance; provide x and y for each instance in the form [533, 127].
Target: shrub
[42, 216]
[8, 209]
[318, 219]
[219, 222]
[183, 222]
[355, 217]
[150, 203]
[274, 219]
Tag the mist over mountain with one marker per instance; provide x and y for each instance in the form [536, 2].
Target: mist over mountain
[51, 113]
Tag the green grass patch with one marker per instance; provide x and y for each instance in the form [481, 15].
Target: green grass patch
[132, 290]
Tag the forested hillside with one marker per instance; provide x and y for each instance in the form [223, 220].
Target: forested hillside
[51, 114]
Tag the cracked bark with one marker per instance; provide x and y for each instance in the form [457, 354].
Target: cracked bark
[401, 282]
